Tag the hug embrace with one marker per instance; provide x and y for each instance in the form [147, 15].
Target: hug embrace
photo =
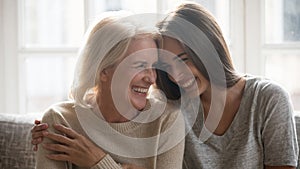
[166, 97]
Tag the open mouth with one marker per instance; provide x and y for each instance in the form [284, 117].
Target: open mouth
[188, 83]
[140, 90]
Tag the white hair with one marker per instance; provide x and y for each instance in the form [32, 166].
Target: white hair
[105, 45]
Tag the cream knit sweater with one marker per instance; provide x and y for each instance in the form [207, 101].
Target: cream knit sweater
[166, 133]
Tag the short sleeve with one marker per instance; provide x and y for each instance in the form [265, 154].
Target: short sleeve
[278, 131]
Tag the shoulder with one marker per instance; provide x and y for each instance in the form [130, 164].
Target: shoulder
[268, 97]
[266, 88]
[58, 112]
[167, 108]
[170, 115]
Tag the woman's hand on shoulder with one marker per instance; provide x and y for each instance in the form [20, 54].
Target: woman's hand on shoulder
[40, 129]
[72, 147]
[37, 133]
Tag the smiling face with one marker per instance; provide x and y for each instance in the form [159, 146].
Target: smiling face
[131, 78]
[177, 64]
[142, 57]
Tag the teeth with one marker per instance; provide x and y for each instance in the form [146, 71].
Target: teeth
[188, 83]
[140, 90]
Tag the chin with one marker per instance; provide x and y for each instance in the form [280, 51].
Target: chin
[192, 94]
[138, 101]
[139, 108]
[139, 105]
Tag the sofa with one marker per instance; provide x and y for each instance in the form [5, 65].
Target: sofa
[15, 147]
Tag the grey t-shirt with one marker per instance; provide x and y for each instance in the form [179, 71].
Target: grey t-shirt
[262, 133]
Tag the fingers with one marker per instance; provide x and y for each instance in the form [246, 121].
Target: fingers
[61, 152]
[39, 131]
[36, 133]
[66, 130]
[58, 138]
[58, 157]
[39, 127]
[37, 121]
[35, 148]
[60, 148]
[72, 146]
[37, 141]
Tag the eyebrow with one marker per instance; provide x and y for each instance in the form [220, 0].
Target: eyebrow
[179, 55]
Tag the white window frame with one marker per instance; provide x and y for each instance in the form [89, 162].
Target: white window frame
[12, 88]
[237, 34]
[246, 44]
[256, 50]
[12, 54]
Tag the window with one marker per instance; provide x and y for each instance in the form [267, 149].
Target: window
[51, 23]
[51, 31]
[50, 34]
[282, 21]
[39, 42]
[272, 42]
[282, 45]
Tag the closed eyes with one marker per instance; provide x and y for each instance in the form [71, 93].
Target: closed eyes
[143, 65]
[140, 65]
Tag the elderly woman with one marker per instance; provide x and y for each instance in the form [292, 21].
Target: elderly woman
[110, 122]
[242, 121]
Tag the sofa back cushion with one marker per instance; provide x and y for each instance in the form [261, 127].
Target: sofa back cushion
[15, 141]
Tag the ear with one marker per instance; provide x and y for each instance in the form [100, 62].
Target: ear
[104, 75]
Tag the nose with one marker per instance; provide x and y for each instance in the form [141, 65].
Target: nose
[150, 75]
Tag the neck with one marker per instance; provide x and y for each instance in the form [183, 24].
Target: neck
[111, 114]
[219, 96]
[220, 112]
[225, 97]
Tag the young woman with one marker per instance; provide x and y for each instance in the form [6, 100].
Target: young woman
[243, 121]
[110, 121]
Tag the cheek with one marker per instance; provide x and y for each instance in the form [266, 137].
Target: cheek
[131, 73]
[171, 78]
[135, 77]
[154, 74]
[203, 84]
